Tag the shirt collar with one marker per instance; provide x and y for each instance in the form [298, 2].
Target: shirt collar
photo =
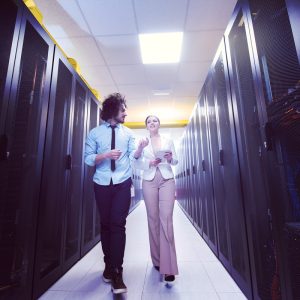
[108, 125]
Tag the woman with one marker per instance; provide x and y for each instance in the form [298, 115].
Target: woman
[155, 157]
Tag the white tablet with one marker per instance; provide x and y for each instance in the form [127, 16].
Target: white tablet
[160, 154]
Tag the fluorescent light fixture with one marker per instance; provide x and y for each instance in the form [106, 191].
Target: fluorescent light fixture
[161, 48]
[161, 92]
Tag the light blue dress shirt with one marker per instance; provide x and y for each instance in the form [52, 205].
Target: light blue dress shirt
[98, 141]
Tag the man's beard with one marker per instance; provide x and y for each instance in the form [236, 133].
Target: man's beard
[120, 120]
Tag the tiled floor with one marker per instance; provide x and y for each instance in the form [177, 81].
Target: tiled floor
[201, 275]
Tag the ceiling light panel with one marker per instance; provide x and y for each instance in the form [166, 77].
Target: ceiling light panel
[161, 48]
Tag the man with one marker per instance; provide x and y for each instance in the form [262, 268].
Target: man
[110, 147]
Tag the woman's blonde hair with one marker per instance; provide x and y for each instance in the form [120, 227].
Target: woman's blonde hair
[152, 116]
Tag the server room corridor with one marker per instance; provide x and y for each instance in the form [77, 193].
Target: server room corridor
[224, 85]
[201, 275]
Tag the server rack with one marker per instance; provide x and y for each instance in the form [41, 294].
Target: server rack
[60, 208]
[248, 121]
[228, 191]
[249, 133]
[44, 119]
[198, 170]
[195, 167]
[90, 218]
[25, 111]
[275, 39]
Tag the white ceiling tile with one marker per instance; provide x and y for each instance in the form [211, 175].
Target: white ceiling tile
[84, 50]
[161, 76]
[209, 15]
[96, 76]
[105, 90]
[120, 74]
[161, 99]
[134, 91]
[137, 112]
[63, 18]
[193, 71]
[160, 16]
[185, 105]
[187, 89]
[120, 49]
[200, 46]
[110, 60]
[184, 101]
[109, 17]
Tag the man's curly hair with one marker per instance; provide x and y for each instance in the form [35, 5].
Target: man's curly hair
[111, 106]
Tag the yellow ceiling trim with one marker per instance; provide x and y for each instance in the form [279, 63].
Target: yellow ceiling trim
[34, 10]
[75, 64]
[171, 124]
[39, 16]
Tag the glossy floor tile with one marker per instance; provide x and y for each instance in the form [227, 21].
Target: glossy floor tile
[201, 275]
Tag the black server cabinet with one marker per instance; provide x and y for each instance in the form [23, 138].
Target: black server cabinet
[189, 195]
[209, 218]
[23, 122]
[248, 118]
[230, 214]
[10, 19]
[76, 181]
[183, 200]
[195, 170]
[59, 227]
[293, 7]
[275, 36]
[90, 219]
[199, 170]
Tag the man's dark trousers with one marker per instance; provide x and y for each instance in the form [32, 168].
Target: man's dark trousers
[113, 202]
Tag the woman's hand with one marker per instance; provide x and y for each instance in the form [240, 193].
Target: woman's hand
[143, 143]
[155, 162]
[168, 157]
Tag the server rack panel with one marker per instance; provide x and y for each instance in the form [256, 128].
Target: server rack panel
[191, 154]
[293, 7]
[218, 184]
[24, 128]
[247, 118]
[10, 19]
[199, 170]
[55, 178]
[275, 39]
[73, 215]
[90, 216]
[227, 168]
[195, 171]
[62, 183]
[209, 229]
[184, 159]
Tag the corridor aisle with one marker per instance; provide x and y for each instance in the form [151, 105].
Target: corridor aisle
[201, 275]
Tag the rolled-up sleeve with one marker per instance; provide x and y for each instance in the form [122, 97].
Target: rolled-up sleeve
[90, 152]
[141, 163]
[131, 147]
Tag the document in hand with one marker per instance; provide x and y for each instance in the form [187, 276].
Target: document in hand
[160, 154]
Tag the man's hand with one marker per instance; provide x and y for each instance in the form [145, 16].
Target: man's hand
[113, 154]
